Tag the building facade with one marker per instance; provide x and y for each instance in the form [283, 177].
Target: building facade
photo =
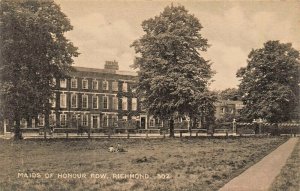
[95, 98]
[226, 108]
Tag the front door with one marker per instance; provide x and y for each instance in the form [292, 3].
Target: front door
[143, 122]
[95, 121]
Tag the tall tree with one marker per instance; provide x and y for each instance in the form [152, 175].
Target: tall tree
[33, 52]
[270, 82]
[230, 94]
[172, 72]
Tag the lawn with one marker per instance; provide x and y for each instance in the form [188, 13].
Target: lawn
[156, 164]
[289, 177]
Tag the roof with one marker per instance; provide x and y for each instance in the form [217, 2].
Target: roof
[98, 70]
[229, 102]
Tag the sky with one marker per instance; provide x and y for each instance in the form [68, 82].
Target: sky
[103, 30]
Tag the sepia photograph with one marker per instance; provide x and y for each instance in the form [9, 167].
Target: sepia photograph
[149, 95]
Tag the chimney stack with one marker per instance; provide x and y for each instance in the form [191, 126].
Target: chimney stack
[111, 65]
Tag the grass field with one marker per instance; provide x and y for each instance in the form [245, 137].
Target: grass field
[161, 164]
[289, 177]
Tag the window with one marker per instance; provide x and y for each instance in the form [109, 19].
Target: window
[124, 103]
[105, 102]
[84, 101]
[95, 85]
[105, 121]
[105, 85]
[63, 83]
[125, 118]
[114, 119]
[134, 104]
[73, 83]
[124, 87]
[74, 100]
[52, 119]
[159, 122]
[85, 120]
[152, 122]
[63, 119]
[52, 100]
[115, 86]
[41, 120]
[63, 100]
[23, 123]
[85, 84]
[95, 102]
[115, 103]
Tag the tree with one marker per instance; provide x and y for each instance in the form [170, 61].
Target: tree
[230, 94]
[270, 82]
[33, 52]
[172, 73]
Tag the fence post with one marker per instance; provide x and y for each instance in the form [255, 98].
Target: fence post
[67, 134]
[146, 133]
[128, 135]
[260, 121]
[164, 133]
[234, 130]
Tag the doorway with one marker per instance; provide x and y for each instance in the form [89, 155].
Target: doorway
[95, 121]
[143, 122]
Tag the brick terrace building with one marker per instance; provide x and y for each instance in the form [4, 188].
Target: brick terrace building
[95, 98]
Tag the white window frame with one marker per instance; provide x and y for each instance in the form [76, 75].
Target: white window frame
[87, 84]
[107, 84]
[160, 123]
[23, 123]
[41, 122]
[97, 103]
[105, 119]
[87, 101]
[115, 103]
[63, 83]
[125, 87]
[74, 80]
[105, 106]
[63, 99]
[95, 87]
[65, 120]
[76, 100]
[85, 120]
[115, 86]
[151, 120]
[124, 101]
[134, 104]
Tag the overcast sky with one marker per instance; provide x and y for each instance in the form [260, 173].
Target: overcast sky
[104, 30]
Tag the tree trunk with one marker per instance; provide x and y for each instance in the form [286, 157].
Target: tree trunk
[172, 128]
[194, 123]
[18, 133]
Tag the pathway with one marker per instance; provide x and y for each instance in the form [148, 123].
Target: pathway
[260, 176]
